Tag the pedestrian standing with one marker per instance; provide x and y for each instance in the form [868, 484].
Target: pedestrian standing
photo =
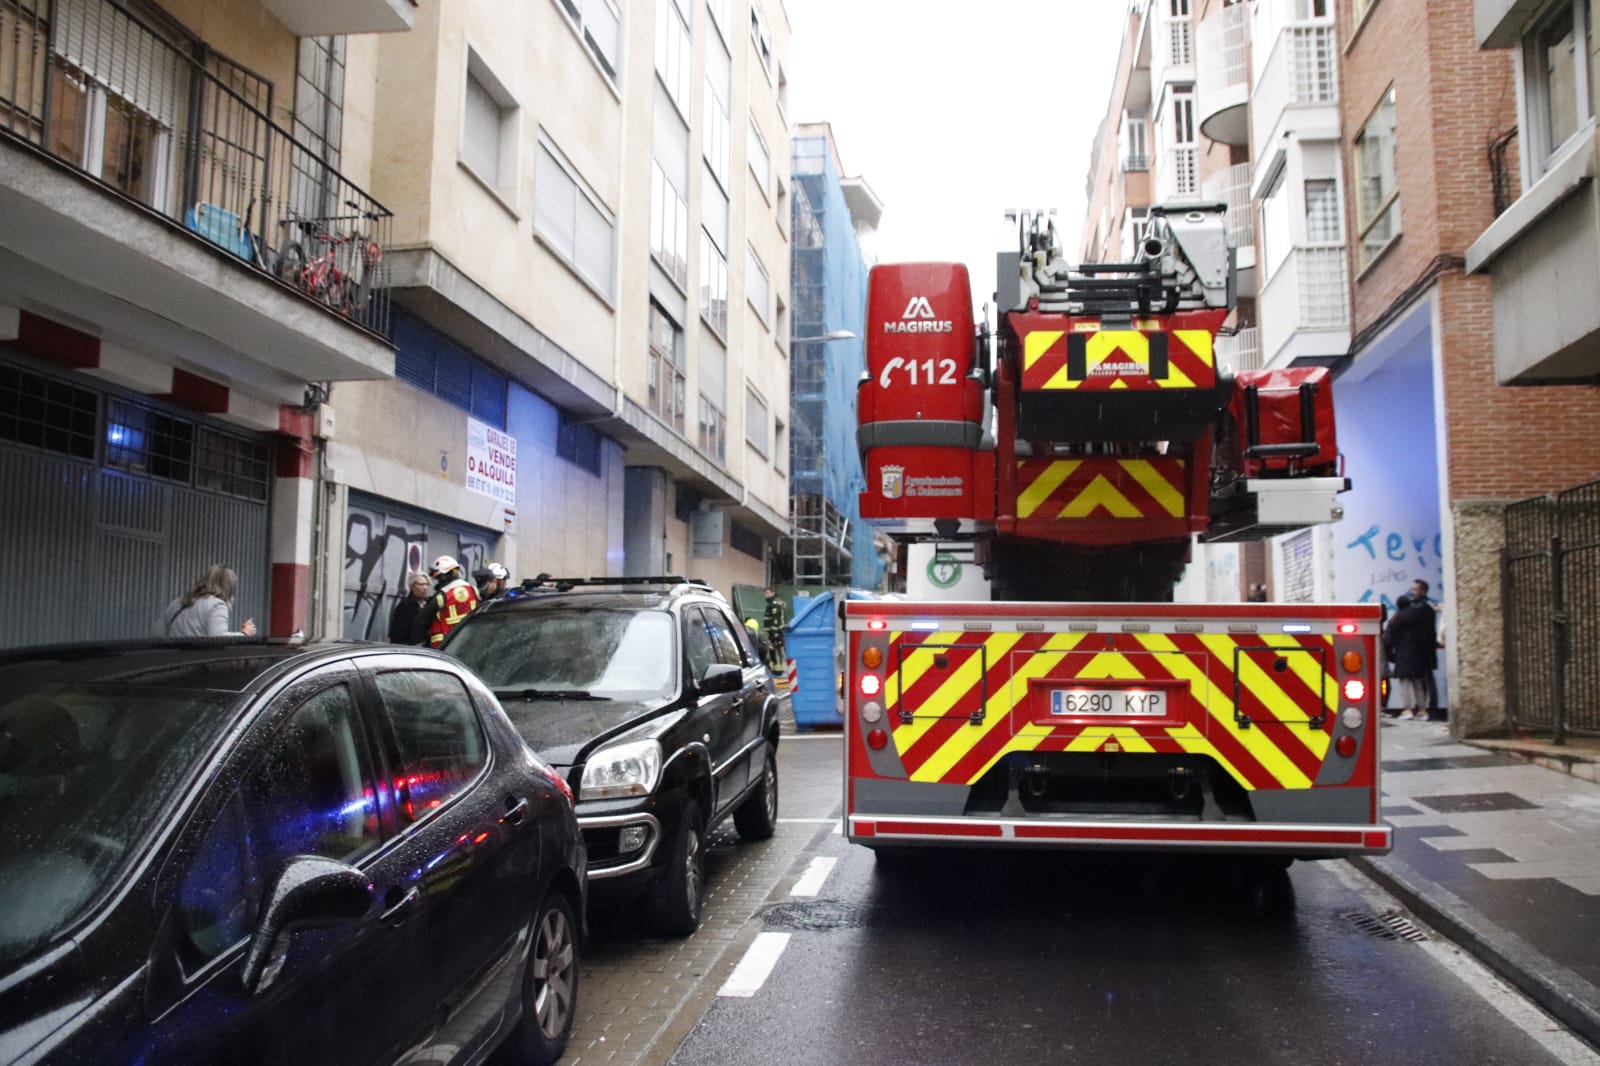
[203, 610]
[409, 621]
[773, 623]
[492, 581]
[1410, 638]
[454, 598]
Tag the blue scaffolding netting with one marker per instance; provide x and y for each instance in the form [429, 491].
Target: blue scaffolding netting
[829, 280]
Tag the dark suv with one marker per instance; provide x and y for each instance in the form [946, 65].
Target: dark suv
[649, 697]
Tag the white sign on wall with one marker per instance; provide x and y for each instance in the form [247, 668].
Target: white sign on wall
[491, 462]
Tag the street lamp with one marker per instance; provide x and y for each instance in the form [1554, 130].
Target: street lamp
[831, 335]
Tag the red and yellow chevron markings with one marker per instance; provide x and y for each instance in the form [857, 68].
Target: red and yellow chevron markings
[945, 678]
[1100, 487]
[1090, 358]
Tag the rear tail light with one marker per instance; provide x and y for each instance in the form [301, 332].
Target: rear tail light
[877, 623]
[871, 658]
[1347, 628]
[1345, 745]
[1352, 662]
[1355, 690]
[870, 684]
[560, 783]
[877, 739]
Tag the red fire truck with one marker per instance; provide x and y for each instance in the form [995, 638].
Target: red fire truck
[1079, 706]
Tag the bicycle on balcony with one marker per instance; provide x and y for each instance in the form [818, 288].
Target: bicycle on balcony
[340, 276]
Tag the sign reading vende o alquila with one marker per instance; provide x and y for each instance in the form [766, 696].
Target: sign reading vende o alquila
[491, 462]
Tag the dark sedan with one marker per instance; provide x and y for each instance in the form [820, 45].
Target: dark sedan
[652, 700]
[247, 853]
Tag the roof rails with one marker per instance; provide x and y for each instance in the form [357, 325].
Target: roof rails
[545, 582]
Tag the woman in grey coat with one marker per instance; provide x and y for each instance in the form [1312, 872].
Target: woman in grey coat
[203, 610]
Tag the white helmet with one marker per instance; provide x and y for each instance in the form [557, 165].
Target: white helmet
[443, 565]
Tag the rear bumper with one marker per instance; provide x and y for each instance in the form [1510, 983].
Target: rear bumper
[1305, 841]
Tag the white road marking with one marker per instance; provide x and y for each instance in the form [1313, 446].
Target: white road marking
[756, 966]
[838, 828]
[1512, 1004]
[810, 882]
[808, 821]
[785, 737]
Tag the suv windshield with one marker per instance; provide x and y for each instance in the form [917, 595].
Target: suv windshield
[567, 651]
[85, 772]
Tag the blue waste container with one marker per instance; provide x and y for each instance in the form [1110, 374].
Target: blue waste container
[809, 640]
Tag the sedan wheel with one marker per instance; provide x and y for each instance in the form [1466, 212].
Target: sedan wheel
[551, 988]
[757, 817]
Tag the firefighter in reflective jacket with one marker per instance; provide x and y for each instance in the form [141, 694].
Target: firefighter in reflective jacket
[453, 599]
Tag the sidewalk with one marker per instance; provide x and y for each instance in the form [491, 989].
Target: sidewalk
[1500, 855]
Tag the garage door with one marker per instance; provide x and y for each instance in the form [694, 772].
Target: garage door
[383, 542]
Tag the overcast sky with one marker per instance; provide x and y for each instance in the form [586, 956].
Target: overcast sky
[954, 110]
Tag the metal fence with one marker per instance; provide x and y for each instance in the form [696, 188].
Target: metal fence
[1550, 591]
[94, 86]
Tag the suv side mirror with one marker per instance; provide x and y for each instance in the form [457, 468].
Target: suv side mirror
[309, 892]
[721, 677]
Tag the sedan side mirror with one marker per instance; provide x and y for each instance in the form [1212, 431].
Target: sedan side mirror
[721, 677]
[309, 892]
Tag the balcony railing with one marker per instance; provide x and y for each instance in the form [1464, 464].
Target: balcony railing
[1222, 74]
[89, 83]
[1242, 351]
[1302, 69]
[1232, 187]
[1178, 36]
[1134, 163]
[1308, 291]
[1178, 176]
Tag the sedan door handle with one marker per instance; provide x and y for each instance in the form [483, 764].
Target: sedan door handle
[400, 911]
[516, 812]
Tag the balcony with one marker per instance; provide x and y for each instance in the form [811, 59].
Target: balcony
[1544, 264]
[1232, 187]
[324, 18]
[1172, 58]
[1299, 89]
[150, 197]
[1222, 75]
[1304, 307]
[1242, 351]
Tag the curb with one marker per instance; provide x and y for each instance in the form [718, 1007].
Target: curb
[1570, 999]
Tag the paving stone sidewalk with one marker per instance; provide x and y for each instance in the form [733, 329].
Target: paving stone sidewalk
[1502, 856]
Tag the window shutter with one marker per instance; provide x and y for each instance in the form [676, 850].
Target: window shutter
[480, 138]
[130, 61]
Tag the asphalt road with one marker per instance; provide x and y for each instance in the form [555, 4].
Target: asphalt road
[1043, 958]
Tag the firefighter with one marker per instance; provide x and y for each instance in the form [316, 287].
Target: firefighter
[774, 621]
[454, 598]
[492, 581]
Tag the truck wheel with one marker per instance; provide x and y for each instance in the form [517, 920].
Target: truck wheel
[549, 988]
[757, 817]
[679, 891]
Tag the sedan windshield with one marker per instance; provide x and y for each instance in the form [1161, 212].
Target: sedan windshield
[85, 772]
[572, 654]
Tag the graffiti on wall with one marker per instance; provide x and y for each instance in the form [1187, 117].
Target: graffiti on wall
[1392, 559]
[379, 551]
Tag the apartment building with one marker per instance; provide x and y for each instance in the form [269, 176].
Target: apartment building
[1431, 124]
[339, 287]
[158, 377]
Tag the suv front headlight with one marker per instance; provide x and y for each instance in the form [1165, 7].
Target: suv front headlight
[621, 771]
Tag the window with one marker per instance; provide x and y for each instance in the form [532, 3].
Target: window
[1322, 212]
[1556, 80]
[761, 37]
[600, 24]
[318, 124]
[1135, 144]
[231, 466]
[719, 91]
[669, 226]
[755, 420]
[665, 382]
[488, 128]
[757, 286]
[672, 54]
[438, 365]
[713, 286]
[573, 224]
[1276, 238]
[437, 737]
[1377, 185]
[721, 14]
[579, 445]
[713, 439]
[310, 793]
[744, 539]
[142, 440]
[720, 626]
[47, 413]
[760, 160]
[697, 643]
